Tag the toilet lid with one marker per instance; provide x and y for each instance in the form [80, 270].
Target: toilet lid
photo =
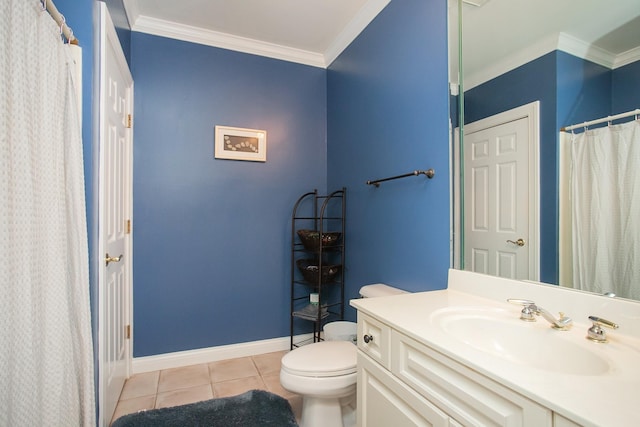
[322, 359]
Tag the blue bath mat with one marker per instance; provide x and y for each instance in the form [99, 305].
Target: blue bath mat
[255, 408]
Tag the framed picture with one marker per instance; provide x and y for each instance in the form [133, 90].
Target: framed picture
[240, 144]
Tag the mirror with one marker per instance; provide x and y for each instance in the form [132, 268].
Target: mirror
[525, 43]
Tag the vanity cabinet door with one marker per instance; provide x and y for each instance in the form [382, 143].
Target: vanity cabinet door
[472, 399]
[383, 401]
[374, 339]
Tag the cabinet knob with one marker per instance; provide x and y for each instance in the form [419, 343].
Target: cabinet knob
[367, 338]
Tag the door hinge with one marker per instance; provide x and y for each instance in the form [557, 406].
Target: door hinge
[129, 121]
[128, 226]
[128, 332]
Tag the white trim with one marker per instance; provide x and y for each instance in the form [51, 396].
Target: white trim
[530, 111]
[132, 11]
[210, 354]
[586, 51]
[456, 179]
[363, 18]
[188, 33]
[560, 41]
[627, 58]
[174, 30]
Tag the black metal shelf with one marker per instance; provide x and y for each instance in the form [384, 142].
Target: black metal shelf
[322, 214]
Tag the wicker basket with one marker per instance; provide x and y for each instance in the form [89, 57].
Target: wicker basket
[310, 273]
[311, 239]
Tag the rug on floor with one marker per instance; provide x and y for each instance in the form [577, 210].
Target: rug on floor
[255, 408]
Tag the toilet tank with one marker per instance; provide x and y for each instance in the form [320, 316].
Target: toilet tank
[379, 290]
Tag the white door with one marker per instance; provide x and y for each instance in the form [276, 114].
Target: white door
[500, 201]
[115, 208]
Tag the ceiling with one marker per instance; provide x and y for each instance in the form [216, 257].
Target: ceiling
[499, 35]
[504, 34]
[312, 32]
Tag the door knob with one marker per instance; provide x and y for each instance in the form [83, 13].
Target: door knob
[108, 259]
[519, 242]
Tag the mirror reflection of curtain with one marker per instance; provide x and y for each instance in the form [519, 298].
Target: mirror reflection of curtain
[604, 194]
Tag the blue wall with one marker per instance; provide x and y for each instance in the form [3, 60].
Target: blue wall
[388, 109]
[212, 237]
[584, 90]
[626, 88]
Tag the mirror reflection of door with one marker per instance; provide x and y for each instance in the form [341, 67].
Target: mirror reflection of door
[500, 234]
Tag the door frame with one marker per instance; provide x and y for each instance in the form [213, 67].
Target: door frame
[531, 112]
[108, 38]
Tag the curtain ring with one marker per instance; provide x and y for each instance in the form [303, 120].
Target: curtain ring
[44, 5]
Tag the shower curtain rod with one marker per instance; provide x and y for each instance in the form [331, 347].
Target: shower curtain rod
[635, 112]
[59, 18]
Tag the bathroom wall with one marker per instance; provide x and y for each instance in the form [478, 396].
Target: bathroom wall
[626, 88]
[584, 90]
[211, 236]
[388, 110]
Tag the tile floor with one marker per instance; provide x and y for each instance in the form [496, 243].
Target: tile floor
[179, 386]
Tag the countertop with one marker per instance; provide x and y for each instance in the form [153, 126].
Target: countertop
[608, 397]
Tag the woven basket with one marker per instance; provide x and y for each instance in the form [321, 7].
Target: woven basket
[310, 271]
[311, 239]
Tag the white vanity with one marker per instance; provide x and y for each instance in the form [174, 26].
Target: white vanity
[463, 357]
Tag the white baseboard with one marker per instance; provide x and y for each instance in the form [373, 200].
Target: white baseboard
[210, 354]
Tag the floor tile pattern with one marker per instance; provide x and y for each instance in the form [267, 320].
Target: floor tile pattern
[189, 384]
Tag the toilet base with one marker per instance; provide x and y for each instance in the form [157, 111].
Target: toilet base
[332, 412]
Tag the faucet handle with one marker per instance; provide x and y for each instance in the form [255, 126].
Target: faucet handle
[596, 333]
[519, 301]
[527, 313]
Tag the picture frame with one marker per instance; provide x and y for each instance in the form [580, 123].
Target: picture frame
[240, 144]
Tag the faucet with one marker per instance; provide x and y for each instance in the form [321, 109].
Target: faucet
[596, 333]
[530, 309]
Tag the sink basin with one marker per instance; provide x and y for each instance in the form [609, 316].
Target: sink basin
[501, 333]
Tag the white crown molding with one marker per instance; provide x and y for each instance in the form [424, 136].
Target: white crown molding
[627, 58]
[359, 22]
[131, 10]
[159, 27]
[561, 41]
[163, 28]
[576, 47]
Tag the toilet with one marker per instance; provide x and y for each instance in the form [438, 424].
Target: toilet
[324, 374]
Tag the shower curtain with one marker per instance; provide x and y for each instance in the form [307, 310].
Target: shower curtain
[605, 193]
[46, 356]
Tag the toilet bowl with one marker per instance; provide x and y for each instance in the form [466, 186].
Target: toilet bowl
[324, 374]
